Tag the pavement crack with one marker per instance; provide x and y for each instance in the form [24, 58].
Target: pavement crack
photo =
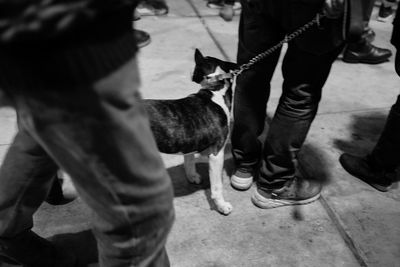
[353, 111]
[210, 33]
[351, 244]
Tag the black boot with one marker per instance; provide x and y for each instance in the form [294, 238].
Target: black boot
[31, 250]
[366, 53]
[364, 169]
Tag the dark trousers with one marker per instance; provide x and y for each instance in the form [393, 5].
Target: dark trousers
[386, 153]
[100, 135]
[262, 25]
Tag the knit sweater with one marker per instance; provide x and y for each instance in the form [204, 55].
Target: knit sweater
[62, 43]
[38, 20]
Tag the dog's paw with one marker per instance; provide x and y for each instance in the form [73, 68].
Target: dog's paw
[194, 178]
[224, 207]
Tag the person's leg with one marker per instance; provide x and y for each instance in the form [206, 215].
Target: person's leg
[386, 152]
[256, 34]
[378, 169]
[368, 6]
[100, 135]
[304, 76]
[364, 51]
[26, 176]
[386, 10]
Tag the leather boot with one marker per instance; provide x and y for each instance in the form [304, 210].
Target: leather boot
[31, 250]
[366, 53]
[364, 169]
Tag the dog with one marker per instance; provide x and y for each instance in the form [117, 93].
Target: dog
[198, 123]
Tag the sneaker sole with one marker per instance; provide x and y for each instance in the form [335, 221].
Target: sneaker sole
[269, 203]
[236, 7]
[241, 183]
[355, 61]
[147, 42]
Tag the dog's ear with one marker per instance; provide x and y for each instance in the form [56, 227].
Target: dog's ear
[198, 57]
[227, 66]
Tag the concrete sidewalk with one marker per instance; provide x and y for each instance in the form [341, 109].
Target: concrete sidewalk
[351, 225]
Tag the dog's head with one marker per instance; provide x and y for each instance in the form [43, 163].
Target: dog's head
[215, 77]
[207, 67]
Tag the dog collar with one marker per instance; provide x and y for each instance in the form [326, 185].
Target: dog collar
[219, 77]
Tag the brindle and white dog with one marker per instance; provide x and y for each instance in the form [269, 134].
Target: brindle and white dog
[198, 123]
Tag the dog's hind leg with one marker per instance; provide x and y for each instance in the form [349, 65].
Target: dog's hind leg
[190, 169]
[215, 172]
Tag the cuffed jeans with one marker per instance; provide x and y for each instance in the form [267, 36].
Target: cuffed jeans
[100, 135]
[262, 25]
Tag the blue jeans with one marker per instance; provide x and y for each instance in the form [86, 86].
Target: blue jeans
[305, 68]
[100, 135]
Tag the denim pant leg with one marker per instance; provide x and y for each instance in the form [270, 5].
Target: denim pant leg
[386, 153]
[257, 32]
[304, 75]
[100, 135]
[26, 175]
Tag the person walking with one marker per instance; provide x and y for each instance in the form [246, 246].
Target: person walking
[69, 69]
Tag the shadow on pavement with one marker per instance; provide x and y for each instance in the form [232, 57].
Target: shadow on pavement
[314, 164]
[183, 188]
[365, 131]
[181, 185]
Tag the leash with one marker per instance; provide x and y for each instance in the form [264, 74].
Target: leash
[287, 39]
[263, 55]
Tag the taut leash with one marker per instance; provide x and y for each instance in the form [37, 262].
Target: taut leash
[289, 37]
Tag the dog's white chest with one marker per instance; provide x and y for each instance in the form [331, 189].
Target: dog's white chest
[218, 98]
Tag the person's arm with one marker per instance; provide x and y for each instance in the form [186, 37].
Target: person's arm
[22, 21]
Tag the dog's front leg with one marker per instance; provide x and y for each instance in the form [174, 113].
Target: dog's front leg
[190, 169]
[215, 172]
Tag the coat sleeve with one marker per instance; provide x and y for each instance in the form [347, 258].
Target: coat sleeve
[37, 20]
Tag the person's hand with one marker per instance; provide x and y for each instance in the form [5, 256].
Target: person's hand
[333, 8]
